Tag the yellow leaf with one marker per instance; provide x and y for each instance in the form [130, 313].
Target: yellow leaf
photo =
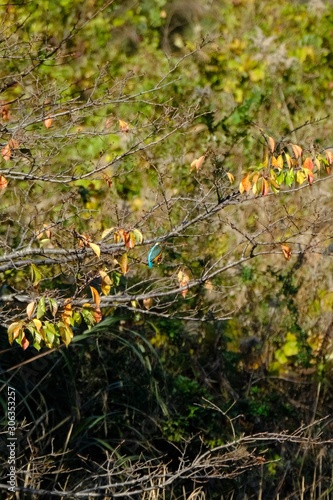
[123, 126]
[96, 296]
[230, 177]
[123, 262]
[245, 184]
[277, 162]
[38, 324]
[300, 177]
[106, 232]
[288, 160]
[106, 283]
[197, 163]
[95, 248]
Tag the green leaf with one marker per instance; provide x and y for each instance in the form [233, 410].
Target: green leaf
[41, 308]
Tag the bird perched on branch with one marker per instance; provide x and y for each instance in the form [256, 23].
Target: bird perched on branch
[154, 255]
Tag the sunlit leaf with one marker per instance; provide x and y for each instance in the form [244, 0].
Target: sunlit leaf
[24, 343]
[95, 248]
[231, 177]
[286, 251]
[106, 282]
[148, 302]
[35, 275]
[308, 163]
[41, 308]
[38, 324]
[67, 313]
[96, 296]
[53, 306]
[300, 177]
[197, 164]
[297, 150]
[245, 184]
[106, 232]
[183, 279]
[138, 236]
[124, 127]
[288, 160]
[130, 240]
[14, 330]
[277, 162]
[30, 309]
[264, 187]
[329, 156]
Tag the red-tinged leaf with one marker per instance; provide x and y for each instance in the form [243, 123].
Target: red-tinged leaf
[308, 163]
[286, 251]
[4, 110]
[30, 309]
[329, 156]
[107, 179]
[271, 144]
[277, 162]
[95, 248]
[124, 127]
[197, 164]
[130, 240]
[309, 175]
[264, 187]
[3, 183]
[96, 296]
[245, 184]
[297, 150]
[123, 262]
[6, 152]
[231, 177]
[48, 122]
[25, 343]
[98, 315]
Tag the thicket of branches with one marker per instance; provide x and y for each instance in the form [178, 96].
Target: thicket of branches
[125, 126]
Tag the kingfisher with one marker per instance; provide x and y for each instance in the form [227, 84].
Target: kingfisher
[154, 255]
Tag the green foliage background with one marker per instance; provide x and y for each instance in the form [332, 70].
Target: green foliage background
[137, 385]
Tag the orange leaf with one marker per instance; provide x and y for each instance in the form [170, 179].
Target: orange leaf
[264, 187]
[197, 163]
[245, 184]
[6, 152]
[286, 251]
[271, 144]
[48, 122]
[96, 296]
[98, 315]
[297, 150]
[3, 183]
[130, 240]
[308, 163]
[123, 126]
[4, 110]
[277, 162]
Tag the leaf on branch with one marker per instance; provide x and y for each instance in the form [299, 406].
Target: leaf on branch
[197, 163]
[48, 122]
[148, 302]
[5, 112]
[3, 183]
[53, 306]
[37, 324]
[288, 160]
[6, 152]
[96, 296]
[41, 308]
[271, 144]
[36, 276]
[245, 184]
[124, 127]
[277, 162]
[297, 150]
[106, 232]
[106, 282]
[231, 177]
[67, 313]
[107, 179]
[300, 177]
[286, 251]
[329, 156]
[183, 279]
[138, 236]
[30, 309]
[308, 163]
[95, 248]
[123, 262]
[14, 330]
[24, 343]
[98, 315]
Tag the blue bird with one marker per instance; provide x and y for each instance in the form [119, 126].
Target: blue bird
[154, 255]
